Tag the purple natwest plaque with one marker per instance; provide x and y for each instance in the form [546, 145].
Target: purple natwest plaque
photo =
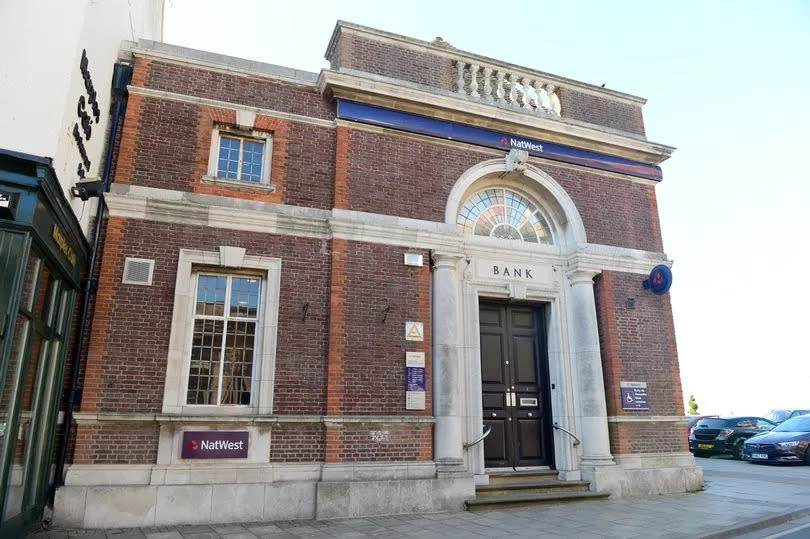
[215, 444]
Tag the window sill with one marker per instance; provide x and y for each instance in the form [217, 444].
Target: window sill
[237, 183]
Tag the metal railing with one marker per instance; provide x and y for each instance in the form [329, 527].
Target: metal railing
[487, 430]
[568, 432]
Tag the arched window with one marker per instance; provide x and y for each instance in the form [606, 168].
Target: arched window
[504, 214]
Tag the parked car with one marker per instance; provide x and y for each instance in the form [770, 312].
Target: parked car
[692, 419]
[721, 435]
[788, 442]
[779, 416]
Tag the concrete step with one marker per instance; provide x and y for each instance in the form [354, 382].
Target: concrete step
[530, 487]
[501, 478]
[522, 500]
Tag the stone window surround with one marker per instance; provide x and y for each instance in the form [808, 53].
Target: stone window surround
[179, 356]
[242, 133]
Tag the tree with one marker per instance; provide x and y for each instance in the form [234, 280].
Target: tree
[693, 405]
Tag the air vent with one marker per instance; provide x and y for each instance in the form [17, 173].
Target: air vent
[138, 271]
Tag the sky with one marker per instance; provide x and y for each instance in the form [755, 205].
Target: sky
[728, 86]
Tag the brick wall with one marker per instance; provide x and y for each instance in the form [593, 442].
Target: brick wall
[638, 344]
[297, 443]
[166, 144]
[377, 57]
[255, 91]
[132, 323]
[628, 438]
[380, 58]
[378, 295]
[381, 442]
[116, 444]
[400, 175]
[589, 108]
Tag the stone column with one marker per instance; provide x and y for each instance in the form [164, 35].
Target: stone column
[587, 367]
[447, 383]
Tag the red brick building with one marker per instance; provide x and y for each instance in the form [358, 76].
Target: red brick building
[318, 290]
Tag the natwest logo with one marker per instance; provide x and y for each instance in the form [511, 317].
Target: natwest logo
[215, 444]
[523, 144]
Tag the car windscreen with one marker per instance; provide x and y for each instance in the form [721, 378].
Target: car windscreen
[714, 423]
[797, 424]
[777, 415]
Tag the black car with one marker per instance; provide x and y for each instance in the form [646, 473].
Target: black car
[721, 435]
[789, 442]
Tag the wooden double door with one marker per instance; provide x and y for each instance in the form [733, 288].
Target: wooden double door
[515, 385]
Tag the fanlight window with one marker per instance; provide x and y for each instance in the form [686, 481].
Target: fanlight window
[504, 214]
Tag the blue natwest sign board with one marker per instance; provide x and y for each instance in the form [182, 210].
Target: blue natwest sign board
[358, 112]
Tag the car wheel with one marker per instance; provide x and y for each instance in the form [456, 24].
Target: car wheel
[737, 454]
[807, 455]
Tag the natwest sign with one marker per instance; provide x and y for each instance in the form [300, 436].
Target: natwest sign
[214, 444]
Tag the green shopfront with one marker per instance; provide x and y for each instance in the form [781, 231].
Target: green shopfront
[42, 257]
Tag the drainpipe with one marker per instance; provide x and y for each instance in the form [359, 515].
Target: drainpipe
[122, 73]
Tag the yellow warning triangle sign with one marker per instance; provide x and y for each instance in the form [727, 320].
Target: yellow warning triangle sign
[414, 331]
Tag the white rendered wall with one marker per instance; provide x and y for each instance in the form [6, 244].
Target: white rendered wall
[41, 43]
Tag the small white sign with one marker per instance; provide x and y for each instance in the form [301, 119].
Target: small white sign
[639, 385]
[413, 259]
[414, 359]
[414, 331]
[414, 400]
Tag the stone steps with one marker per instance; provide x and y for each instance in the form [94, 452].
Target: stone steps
[518, 489]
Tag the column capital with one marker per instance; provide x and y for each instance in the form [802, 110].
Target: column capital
[581, 276]
[445, 259]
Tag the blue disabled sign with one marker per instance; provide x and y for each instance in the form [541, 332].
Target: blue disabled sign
[634, 396]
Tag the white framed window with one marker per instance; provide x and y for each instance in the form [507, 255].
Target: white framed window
[225, 339]
[222, 344]
[242, 157]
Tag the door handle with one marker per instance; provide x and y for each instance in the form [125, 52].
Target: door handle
[511, 400]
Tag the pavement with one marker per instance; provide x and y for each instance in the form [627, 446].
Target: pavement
[740, 499]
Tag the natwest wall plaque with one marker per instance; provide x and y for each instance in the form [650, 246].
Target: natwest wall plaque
[634, 395]
[215, 444]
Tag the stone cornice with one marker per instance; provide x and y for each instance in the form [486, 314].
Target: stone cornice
[96, 418]
[161, 205]
[212, 61]
[647, 419]
[454, 53]
[446, 105]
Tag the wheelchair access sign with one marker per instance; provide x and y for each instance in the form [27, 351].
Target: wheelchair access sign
[634, 395]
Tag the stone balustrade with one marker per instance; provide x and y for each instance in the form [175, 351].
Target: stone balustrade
[506, 88]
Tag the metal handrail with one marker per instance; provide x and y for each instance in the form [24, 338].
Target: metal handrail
[568, 432]
[487, 430]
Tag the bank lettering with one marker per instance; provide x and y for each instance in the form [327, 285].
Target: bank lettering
[511, 271]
